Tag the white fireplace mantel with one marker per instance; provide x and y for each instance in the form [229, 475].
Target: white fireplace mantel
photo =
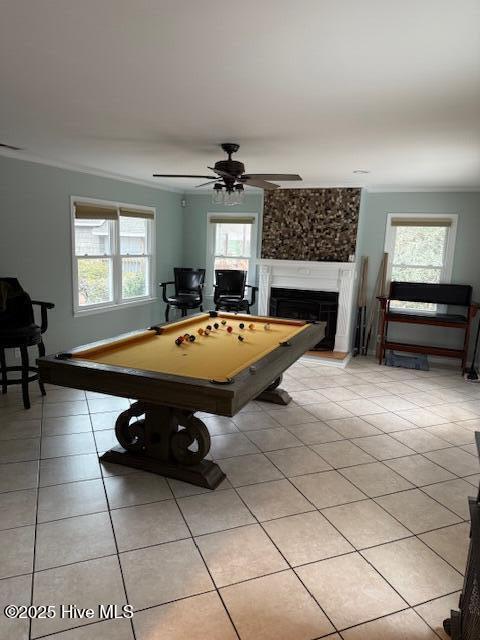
[312, 276]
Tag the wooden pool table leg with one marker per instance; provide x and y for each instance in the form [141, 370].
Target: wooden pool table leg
[161, 443]
[275, 395]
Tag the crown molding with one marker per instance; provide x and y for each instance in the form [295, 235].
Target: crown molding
[252, 189]
[362, 187]
[393, 189]
[77, 168]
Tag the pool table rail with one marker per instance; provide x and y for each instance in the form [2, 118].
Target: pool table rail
[69, 370]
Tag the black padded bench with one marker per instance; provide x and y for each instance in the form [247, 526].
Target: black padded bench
[448, 295]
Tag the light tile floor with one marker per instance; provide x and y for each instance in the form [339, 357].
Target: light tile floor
[344, 516]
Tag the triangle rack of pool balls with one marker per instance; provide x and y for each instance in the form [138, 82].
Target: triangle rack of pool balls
[205, 332]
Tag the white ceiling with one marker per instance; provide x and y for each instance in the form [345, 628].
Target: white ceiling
[318, 87]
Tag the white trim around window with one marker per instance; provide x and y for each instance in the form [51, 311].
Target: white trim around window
[450, 220]
[115, 256]
[210, 260]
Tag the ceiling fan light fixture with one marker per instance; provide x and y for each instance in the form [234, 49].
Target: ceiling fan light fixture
[217, 196]
[230, 197]
[240, 193]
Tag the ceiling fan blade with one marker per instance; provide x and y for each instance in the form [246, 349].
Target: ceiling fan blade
[176, 175]
[10, 147]
[272, 176]
[263, 184]
[204, 184]
[223, 174]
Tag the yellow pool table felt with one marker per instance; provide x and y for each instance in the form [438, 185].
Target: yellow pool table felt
[218, 356]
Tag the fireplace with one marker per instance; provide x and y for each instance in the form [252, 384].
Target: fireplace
[308, 305]
[310, 278]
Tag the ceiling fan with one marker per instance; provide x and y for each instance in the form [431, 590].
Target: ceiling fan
[230, 178]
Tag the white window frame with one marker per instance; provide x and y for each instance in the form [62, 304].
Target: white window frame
[210, 261]
[447, 269]
[118, 302]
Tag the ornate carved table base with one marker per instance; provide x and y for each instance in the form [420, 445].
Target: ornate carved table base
[167, 441]
[274, 394]
[172, 442]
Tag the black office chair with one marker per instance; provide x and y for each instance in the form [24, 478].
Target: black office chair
[229, 291]
[19, 331]
[188, 290]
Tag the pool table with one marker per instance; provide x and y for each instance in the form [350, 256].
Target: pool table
[242, 358]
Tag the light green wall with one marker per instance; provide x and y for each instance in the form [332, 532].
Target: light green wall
[35, 244]
[466, 267]
[195, 228]
[195, 223]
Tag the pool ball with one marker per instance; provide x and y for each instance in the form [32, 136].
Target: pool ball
[267, 327]
[186, 336]
[224, 322]
[216, 325]
[191, 338]
[200, 332]
[241, 338]
[209, 327]
[178, 342]
[229, 329]
[241, 325]
[251, 326]
[206, 332]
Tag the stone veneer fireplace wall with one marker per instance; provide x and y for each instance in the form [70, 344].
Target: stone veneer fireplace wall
[310, 224]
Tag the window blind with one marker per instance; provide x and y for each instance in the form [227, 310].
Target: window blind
[88, 211]
[136, 213]
[421, 222]
[232, 220]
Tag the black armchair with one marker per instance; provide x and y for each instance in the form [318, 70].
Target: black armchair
[229, 291]
[18, 330]
[188, 290]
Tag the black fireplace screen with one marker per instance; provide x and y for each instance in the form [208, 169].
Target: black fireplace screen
[308, 305]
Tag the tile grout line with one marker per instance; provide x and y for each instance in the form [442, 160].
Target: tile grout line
[359, 551]
[192, 537]
[410, 607]
[36, 527]
[355, 551]
[290, 568]
[113, 528]
[314, 509]
[261, 523]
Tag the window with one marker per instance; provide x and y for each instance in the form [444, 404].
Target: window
[232, 244]
[420, 249]
[113, 254]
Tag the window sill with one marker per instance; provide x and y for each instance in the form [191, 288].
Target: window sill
[79, 313]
